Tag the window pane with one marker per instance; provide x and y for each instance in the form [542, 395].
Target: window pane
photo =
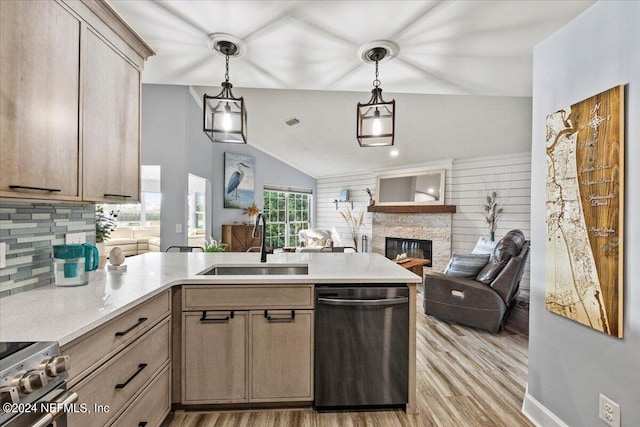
[287, 213]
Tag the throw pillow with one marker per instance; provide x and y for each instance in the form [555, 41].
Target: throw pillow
[466, 266]
[317, 237]
[484, 246]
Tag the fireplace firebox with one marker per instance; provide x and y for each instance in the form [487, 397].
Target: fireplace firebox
[414, 248]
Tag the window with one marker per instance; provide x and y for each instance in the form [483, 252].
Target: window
[287, 212]
[147, 212]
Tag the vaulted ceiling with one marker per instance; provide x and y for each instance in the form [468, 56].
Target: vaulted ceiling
[465, 47]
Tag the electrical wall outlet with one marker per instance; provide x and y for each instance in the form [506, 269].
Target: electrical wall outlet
[3, 255]
[178, 228]
[75, 238]
[609, 411]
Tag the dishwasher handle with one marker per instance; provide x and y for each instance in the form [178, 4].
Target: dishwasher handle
[363, 302]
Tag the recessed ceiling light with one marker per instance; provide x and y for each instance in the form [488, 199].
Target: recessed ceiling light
[292, 121]
[394, 153]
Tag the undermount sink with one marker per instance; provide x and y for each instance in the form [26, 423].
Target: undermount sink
[257, 270]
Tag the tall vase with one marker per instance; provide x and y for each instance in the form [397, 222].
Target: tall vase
[102, 252]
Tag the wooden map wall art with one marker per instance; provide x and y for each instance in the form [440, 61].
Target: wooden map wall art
[585, 211]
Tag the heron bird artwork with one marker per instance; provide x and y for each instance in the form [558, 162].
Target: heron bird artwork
[239, 178]
[236, 179]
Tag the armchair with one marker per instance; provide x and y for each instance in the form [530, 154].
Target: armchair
[484, 301]
[315, 240]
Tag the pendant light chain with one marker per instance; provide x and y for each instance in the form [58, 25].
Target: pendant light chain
[226, 74]
[376, 82]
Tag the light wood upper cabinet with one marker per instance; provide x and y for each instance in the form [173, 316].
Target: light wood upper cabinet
[39, 100]
[111, 158]
[69, 102]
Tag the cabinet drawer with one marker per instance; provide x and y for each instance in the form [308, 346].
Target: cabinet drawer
[152, 406]
[122, 378]
[88, 351]
[201, 297]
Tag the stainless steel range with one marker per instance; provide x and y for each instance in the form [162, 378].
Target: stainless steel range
[33, 385]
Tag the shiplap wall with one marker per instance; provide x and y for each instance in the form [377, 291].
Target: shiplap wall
[328, 190]
[468, 182]
[510, 176]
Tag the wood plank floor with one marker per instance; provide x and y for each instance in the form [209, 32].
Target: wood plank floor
[465, 377]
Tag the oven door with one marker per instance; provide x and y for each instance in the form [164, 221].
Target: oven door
[50, 411]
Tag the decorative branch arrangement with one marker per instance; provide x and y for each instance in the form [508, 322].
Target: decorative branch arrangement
[354, 222]
[492, 212]
[251, 212]
[370, 194]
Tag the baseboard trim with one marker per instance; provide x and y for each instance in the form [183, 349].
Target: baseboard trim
[538, 413]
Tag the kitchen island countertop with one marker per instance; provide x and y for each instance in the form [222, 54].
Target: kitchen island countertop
[62, 314]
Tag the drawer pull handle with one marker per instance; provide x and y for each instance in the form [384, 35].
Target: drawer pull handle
[280, 319]
[140, 322]
[143, 424]
[26, 187]
[205, 319]
[124, 384]
[123, 196]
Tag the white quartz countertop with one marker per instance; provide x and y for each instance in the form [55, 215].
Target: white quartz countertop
[62, 314]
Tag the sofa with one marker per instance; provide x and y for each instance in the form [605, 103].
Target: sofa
[318, 240]
[315, 240]
[134, 240]
[484, 300]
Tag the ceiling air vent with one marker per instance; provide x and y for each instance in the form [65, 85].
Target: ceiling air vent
[292, 121]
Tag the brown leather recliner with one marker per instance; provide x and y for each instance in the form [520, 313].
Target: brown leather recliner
[481, 304]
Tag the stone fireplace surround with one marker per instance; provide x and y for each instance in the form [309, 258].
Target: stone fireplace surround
[428, 226]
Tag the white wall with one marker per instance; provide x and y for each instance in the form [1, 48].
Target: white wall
[570, 364]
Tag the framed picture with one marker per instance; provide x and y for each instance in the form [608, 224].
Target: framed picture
[239, 180]
[585, 211]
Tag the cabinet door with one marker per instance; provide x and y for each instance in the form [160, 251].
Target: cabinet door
[39, 83]
[281, 355]
[239, 237]
[214, 354]
[111, 130]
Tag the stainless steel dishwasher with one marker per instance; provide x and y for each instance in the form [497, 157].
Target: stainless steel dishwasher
[361, 346]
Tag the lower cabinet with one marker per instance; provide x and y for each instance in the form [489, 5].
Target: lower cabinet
[247, 355]
[281, 362]
[215, 357]
[152, 406]
[130, 383]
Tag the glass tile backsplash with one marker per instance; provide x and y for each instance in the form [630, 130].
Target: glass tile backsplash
[30, 230]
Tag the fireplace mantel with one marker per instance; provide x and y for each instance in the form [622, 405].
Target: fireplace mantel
[413, 209]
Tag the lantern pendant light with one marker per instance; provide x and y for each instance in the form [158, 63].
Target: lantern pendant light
[225, 117]
[376, 118]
